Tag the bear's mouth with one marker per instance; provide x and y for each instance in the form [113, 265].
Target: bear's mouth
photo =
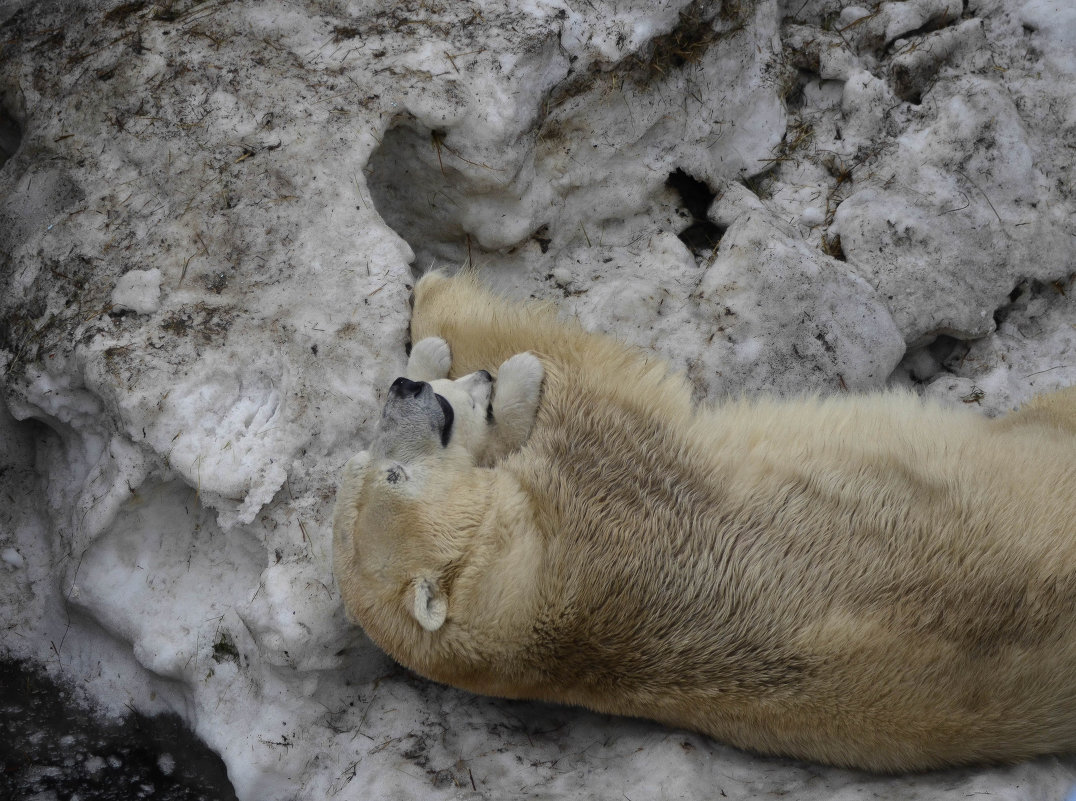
[450, 416]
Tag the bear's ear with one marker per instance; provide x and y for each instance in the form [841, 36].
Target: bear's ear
[430, 606]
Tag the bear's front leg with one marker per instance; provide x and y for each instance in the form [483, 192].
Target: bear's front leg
[515, 403]
[430, 360]
[484, 329]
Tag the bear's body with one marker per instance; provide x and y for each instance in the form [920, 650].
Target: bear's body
[866, 581]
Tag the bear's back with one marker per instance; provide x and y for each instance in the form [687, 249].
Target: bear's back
[766, 553]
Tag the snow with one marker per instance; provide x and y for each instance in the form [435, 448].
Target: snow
[812, 216]
[211, 227]
[1055, 22]
[12, 559]
[139, 291]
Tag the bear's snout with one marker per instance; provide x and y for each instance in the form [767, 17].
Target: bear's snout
[405, 388]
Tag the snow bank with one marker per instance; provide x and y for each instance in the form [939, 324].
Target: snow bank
[212, 217]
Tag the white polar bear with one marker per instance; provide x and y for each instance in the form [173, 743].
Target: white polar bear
[868, 581]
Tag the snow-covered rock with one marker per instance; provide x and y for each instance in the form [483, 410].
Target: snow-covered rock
[211, 217]
[794, 318]
[961, 206]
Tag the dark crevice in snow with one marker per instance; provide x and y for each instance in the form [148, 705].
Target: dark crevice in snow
[795, 99]
[701, 235]
[695, 194]
[926, 362]
[1002, 312]
[935, 23]
[944, 348]
[54, 748]
[831, 246]
[419, 195]
[10, 135]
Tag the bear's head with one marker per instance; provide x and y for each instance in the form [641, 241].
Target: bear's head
[422, 418]
[398, 506]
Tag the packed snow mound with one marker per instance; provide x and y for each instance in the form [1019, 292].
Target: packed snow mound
[212, 216]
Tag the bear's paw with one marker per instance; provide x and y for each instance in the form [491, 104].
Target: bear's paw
[430, 360]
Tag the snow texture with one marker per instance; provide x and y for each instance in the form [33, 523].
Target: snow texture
[213, 213]
[138, 291]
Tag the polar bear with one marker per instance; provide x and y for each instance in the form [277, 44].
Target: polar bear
[868, 581]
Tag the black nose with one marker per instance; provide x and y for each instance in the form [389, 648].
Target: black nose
[405, 388]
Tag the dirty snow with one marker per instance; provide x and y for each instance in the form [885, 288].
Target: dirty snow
[211, 217]
[138, 291]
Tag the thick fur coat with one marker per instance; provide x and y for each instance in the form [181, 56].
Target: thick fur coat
[867, 581]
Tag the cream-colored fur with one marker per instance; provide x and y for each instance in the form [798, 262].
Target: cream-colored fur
[868, 581]
[494, 423]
